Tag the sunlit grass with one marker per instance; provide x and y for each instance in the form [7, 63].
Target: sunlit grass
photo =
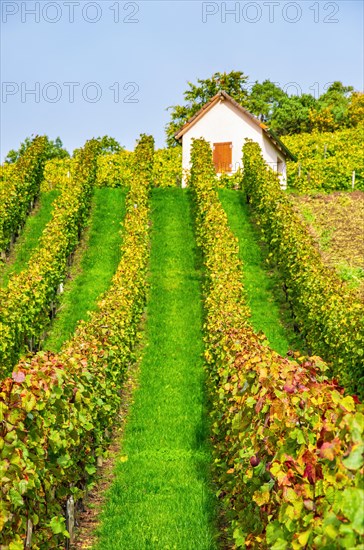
[161, 498]
[29, 238]
[92, 274]
[264, 294]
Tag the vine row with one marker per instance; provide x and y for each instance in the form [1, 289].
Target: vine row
[326, 311]
[57, 410]
[19, 188]
[287, 443]
[28, 302]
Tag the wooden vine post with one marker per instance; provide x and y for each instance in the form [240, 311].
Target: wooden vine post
[70, 518]
[28, 540]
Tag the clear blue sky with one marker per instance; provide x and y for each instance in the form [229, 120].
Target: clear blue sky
[157, 46]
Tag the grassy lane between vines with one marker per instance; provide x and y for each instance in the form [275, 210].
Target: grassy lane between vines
[93, 269]
[161, 497]
[28, 241]
[268, 311]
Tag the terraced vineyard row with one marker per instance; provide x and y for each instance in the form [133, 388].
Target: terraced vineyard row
[281, 432]
[27, 301]
[57, 409]
[331, 161]
[330, 315]
[28, 241]
[19, 188]
[255, 450]
[93, 266]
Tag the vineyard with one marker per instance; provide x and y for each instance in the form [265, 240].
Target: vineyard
[336, 222]
[226, 308]
[327, 161]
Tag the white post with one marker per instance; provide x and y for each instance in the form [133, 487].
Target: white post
[353, 180]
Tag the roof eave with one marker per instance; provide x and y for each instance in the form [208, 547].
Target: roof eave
[204, 109]
[225, 96]
[273, 136]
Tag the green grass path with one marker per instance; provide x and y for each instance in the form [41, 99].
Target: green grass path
[267, 313]
[29, 238]
[98, 264]
[160, 498]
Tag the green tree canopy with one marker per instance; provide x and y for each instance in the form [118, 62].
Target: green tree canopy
[234, 83]
[338, 107]
[54, 149]
[264, 99]
[105, 145]
[109, 145]
[291, 115]
[332, 108]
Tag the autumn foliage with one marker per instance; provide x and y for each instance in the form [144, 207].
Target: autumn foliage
[56, 410]
[26, 303]
[328, 313]
[19, 188]
[287, 443]
[326, 161]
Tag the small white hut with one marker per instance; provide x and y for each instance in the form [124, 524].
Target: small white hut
[225, 125]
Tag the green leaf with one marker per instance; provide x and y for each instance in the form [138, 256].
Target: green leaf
[330, 531]
[280, 544]
[348, 403]
[239, 537]
[90, 469]
[352, 505]
[64, 461]
[274, 532]
[355, 459]
[23, 486]
[29, 401]
[16, 545]
[58, 525]
[16, 497]
[303, 537]
[357, 426]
